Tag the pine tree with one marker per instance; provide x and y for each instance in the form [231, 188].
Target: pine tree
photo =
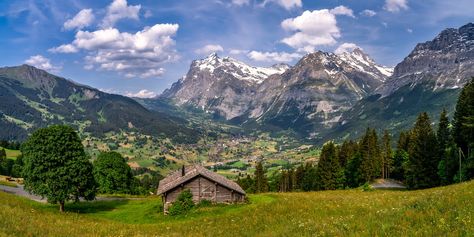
[464, 128]
[310, 178]
[464, 118]
[423, 155]
[401, 156]
[351, 172]
[261, 182]
[330, 173]
[371, 162]
[448, 165]
[387, 156]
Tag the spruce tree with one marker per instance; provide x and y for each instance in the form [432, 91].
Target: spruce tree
[387, 157]
[448, 164]
[401, 156]
[423, 155]
[464, 118]
[330, 173]
[261, 182]
[371, 160]
[310, 178]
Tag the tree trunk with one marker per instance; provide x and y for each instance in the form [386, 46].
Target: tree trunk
[61, 206]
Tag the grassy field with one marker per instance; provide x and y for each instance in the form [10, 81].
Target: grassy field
[445, 211]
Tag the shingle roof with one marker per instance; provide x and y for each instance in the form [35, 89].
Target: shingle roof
[176, 178]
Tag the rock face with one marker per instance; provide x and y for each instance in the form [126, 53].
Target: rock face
[221, 85]
[445, 62]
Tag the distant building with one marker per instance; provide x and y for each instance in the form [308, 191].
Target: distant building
[203, 184]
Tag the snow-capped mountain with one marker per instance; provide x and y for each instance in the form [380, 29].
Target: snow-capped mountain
[428, 79]
[224, 86]
[317, 90]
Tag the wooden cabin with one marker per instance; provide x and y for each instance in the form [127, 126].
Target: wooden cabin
[203, 184]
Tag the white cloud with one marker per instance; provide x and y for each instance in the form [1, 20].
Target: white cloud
[312, 28]
[210, 48]
[141, 54]
[65, 48]
[147, 74]
[148, 14]
[409, 30]
[238, 51]
[41, 62]
[118, 10]
[342, 10]
[395, 5]
[241, 2]
[287, 4]
[368, 13]
[346, 47]
[142, 94]
[82, 19]
[273, 56]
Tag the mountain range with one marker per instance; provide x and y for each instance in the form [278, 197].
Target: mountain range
[328, 95]
[32, 98]
[323, 96]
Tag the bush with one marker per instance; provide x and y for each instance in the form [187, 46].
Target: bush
[204, 203]
[183, 204]
[367, 187]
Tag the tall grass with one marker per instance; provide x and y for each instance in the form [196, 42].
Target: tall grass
[445, 211]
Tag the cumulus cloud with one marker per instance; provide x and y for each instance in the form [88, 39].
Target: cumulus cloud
[210, 48]
[395, 5]
[117, 10]
[140, 54]
[342, 10]
[287, 4]
[241, 2]
[82, 19]
[346, 47]
[142, 94]
[368, 13]
[312, 28]
[41, 62]
[273, 56]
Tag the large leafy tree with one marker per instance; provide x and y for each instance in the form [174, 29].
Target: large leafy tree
[330, 172]
[113, 173]
[56, 166]
[423, 155]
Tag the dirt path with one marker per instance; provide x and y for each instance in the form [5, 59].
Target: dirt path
[19, 191]
[387, 184]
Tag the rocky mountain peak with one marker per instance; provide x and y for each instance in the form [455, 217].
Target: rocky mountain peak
[445, 62]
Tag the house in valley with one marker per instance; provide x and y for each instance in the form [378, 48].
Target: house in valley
[203, 184]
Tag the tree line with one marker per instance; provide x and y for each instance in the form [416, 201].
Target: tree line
[424, 157]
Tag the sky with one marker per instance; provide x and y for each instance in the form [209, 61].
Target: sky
[140, 47]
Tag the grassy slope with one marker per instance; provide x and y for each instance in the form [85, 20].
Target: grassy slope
[434, 212]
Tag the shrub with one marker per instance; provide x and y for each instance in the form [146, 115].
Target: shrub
[367, 187]
[183, 204]
[204, 203]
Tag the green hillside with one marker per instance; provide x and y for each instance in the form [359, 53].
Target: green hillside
[444, 211]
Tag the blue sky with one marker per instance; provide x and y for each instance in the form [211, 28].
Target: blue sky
[139, 48]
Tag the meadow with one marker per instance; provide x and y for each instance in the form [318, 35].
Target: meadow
[443, 211]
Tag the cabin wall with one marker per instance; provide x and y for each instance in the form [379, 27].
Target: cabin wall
[204, 189]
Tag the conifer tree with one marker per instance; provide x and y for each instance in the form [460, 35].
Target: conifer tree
[310, 178]
[261, 182]
[401, 156]
[464, 128]
[448, 164]
[387, 157]
[371, 163]
[330, 173]
[423, 155]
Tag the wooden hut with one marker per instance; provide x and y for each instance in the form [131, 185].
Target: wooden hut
[203, 184]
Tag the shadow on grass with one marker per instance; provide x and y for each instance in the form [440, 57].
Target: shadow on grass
[85, 207]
